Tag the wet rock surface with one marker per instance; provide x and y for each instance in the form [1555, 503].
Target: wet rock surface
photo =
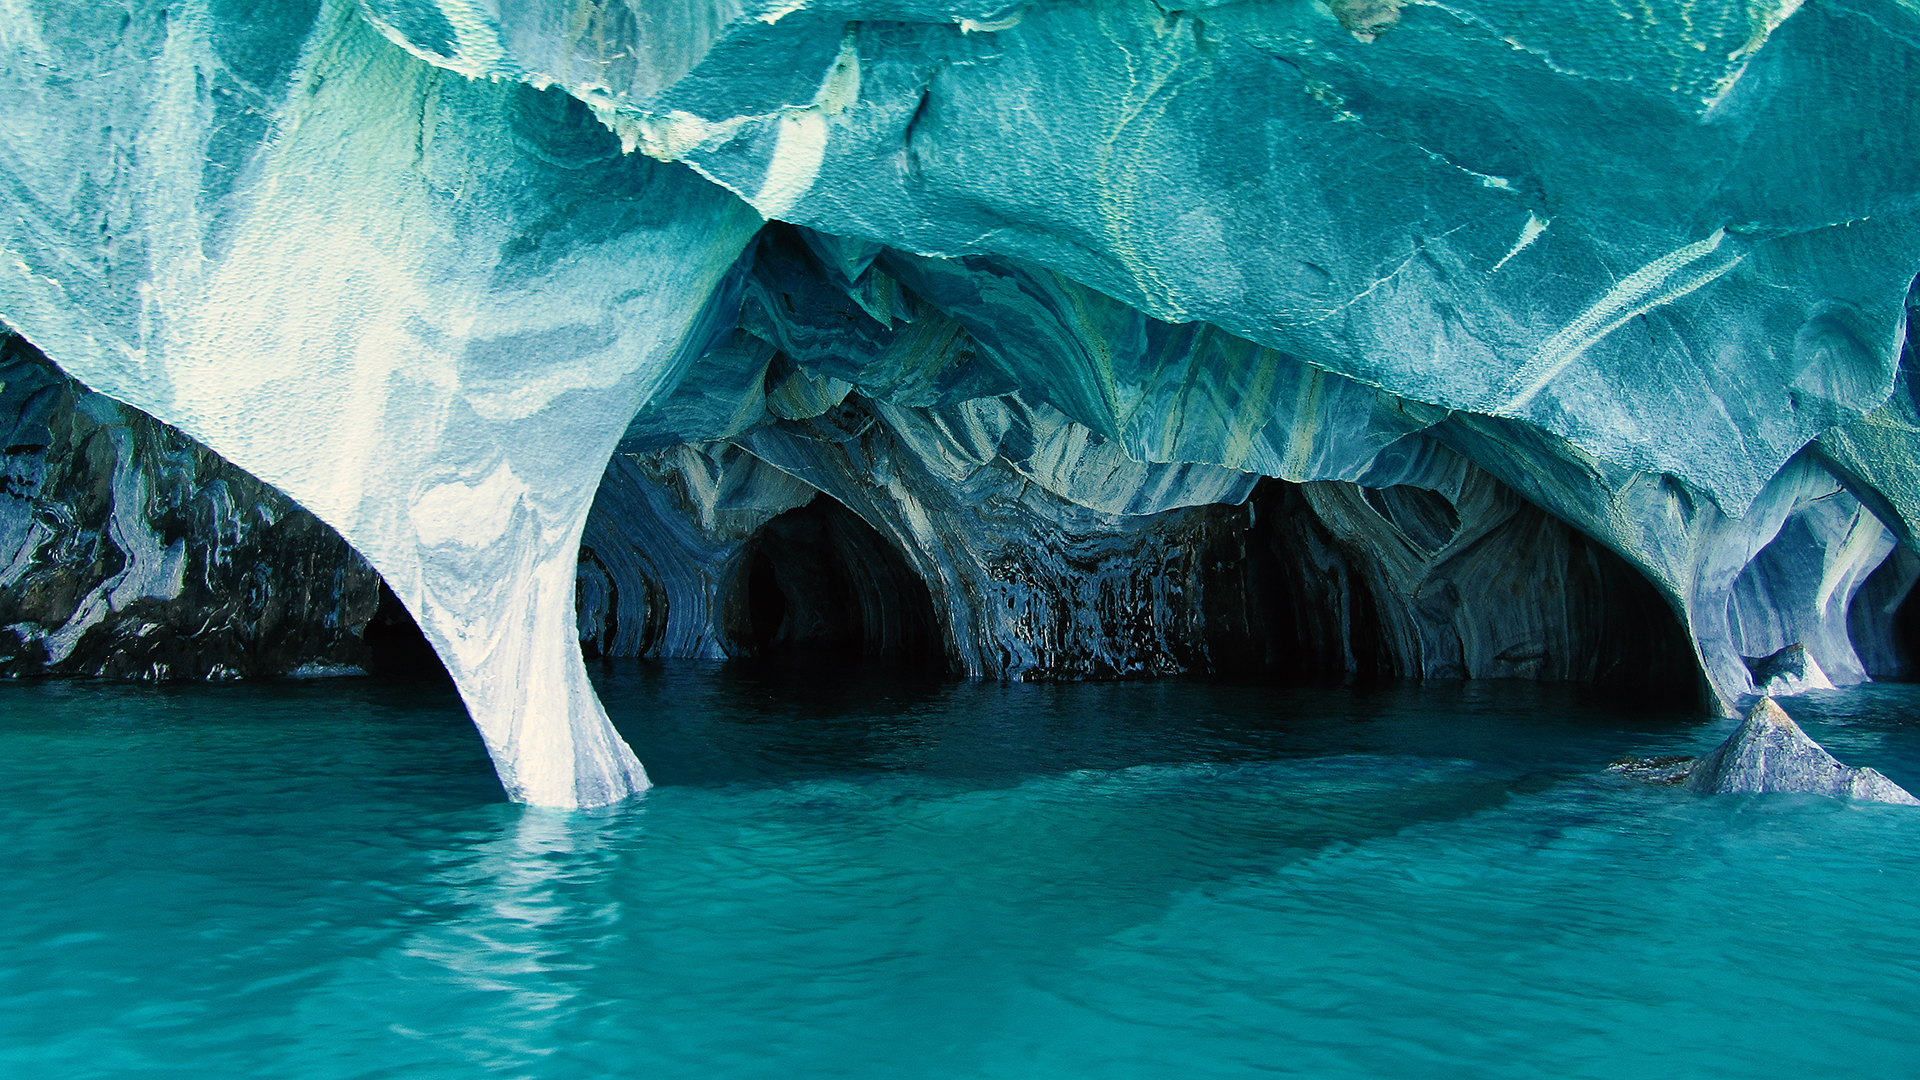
[1790, 671]
[128, 550]
[1769, 753]
[1569, 343]
[1666, 770]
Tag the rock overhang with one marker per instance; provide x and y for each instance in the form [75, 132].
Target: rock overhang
[1634, 266]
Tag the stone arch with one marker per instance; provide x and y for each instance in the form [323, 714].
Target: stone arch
[1799, 591]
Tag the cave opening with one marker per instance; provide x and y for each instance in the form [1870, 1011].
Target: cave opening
[1904, 633]
[1883, 622]
[1640, 646]
[823, 584]
[397, 649]
[1399, 582]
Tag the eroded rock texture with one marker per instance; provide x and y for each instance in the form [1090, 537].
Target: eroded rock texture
[1567, 339]
[131, 551]
[1594, 221]
[1431, 568]
[1769, 752]
[422, 305]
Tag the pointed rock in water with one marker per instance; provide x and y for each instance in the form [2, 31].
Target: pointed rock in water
[1790, 671]
[1770, 753]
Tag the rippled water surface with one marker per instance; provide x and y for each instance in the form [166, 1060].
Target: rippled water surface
[852, 876]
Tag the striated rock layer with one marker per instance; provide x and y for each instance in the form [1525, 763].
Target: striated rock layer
[1442, 572]
[130, 551]
[1568, 340]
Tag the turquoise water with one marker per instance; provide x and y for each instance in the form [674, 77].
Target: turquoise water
[862, 877]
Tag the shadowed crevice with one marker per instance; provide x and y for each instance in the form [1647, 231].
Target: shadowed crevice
[1342, 581]
[396, 646]
[822, 583]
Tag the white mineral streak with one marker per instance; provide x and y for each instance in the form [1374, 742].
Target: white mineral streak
[780, 9]
[1528, 234]
[477, 50]
[800, 133]
[354, 328]
[1764, 18]
[1656, 284]
[153, 569]
[802, 143]
[993, 26]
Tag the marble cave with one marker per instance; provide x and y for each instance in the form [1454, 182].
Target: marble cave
[1043, 340]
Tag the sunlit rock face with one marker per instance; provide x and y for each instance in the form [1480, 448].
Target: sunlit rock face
[130, 551]
[1085, 338]
[1769, 752]
[1678, 237]
[422, 306]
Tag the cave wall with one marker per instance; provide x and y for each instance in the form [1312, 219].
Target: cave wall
[1064, 280]
[1429, 568]
[842, 374]
[1883, 624]
[1678, 235]
[130, 551]
[823, 587]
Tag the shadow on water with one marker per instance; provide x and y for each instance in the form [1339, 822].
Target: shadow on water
[716, 724]
[1170, 782]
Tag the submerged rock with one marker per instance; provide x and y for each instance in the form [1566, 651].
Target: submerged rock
[1769, 753]
[1790, 671]
[1664, 769]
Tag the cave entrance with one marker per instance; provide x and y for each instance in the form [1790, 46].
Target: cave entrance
[1402, 582]
[1883, 622]
[396, 646]
[823, 584]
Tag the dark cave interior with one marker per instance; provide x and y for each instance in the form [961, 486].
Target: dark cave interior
[820, 583]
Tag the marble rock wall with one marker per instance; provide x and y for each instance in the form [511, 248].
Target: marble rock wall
[1435, 570]
[1037, 292]
[972, 412]
[1676, 235]
[128, 550]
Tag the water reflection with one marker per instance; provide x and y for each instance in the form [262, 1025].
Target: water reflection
[524, 906]
[882, 878]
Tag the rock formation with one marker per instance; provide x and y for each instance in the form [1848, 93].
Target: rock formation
[1769, 752]
[1787, 672]
[1485, 340]
[1038, 563]
[130, 551]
